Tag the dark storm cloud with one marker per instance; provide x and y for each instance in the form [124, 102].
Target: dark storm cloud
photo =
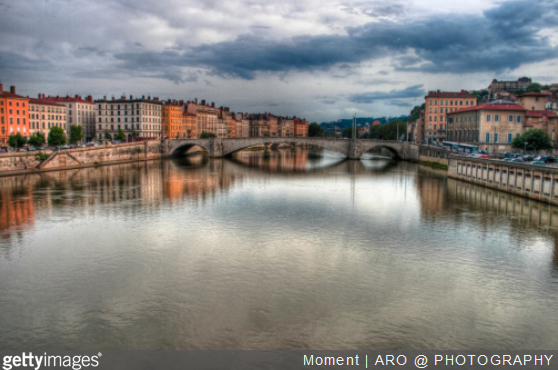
[369, 97]
[399, 103]
[12, 61]
[503, 38]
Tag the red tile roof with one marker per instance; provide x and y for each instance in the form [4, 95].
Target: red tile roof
[514, 107]
[45, 102]
[531, 93]
[447, 94]
[9, 95]
[540, 113]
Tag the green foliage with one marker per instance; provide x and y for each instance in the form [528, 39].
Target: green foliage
[536, 139]
[480, 95]
[348, 132]
[37, 139]
[17, 140]
[108, 136]
[56, 136]
[137, 150]
[206, 135]
[315, 130]
[389, 130]
[135, 135]
[121, 135]
[415, 113]
[40, 156]
[76, 134]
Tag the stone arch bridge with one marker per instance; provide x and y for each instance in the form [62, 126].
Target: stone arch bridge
[352, 149]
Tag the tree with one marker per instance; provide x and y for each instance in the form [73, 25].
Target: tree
[315, 130]
[415, 113]
[17, 140]
[76, 134]
[56, 136]
[389, 131]
[348, 132]
[120, 136]
[108, 136]
[37, 139]
[206, 135]
[135, 135]
[536, 139]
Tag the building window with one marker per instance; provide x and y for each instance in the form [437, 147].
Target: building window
[509, 138]
[510, 118]
[518, 119]
[487, 137]
[488, 117]
[517, 135]
[496, 117]
[495, 137]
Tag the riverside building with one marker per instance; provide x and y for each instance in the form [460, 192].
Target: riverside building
[138, 118]
[14, 114]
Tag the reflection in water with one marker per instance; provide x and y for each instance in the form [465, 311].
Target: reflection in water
[285, 249]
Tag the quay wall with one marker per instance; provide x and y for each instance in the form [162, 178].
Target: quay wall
[22, 162]
[526, 180]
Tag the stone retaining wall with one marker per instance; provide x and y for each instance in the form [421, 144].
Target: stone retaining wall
[11, 163]
[530, 181]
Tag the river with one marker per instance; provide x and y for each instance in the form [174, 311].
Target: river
[288, 249]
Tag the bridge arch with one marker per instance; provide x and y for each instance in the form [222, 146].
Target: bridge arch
[181, 148]
[233, 145]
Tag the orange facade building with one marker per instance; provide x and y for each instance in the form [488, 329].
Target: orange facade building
[300, 127]
[14, 114]
[438, 104]
[174, 120]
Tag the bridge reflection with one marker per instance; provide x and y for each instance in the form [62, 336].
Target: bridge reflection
[127, 190]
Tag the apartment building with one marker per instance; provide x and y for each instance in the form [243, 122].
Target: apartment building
[14, 114]
[495, 123]
[139, 118]
[174, 120]
[438, 105]
[45, 114]
[80, 111]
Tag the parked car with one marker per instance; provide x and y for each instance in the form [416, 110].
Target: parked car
[32, 149]
[517, 160]
[528, 158]
[482, 155]
[539, 163]
[505, 155]
[545, 159]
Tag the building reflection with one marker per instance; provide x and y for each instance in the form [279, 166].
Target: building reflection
[16, 206]
[284, 160]
[196, 178]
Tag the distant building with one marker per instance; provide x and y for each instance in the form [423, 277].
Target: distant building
[532, 100]
[438, 105]
[510, 86]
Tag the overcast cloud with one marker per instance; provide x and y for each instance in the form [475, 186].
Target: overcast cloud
[321, 60]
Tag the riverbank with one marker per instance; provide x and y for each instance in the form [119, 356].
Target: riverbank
[29, 162]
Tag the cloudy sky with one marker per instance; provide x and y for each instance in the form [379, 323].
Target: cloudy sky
[318, 59]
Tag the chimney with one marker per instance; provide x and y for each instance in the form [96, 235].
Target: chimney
[90, 98]
[143, 96]
[196, 101]
[1, 88]
[105, 97]
[131, 97]
[213, 104]
[12, 89]
[203, 102]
